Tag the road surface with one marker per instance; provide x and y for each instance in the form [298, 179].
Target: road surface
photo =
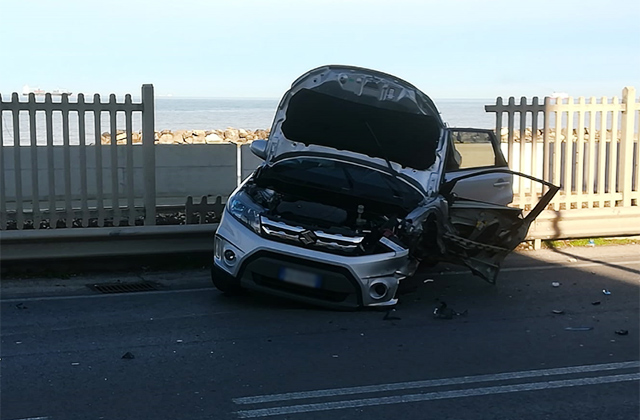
[198, 354]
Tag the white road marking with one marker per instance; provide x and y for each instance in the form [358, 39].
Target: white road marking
[33, 418]
[202, 289]
[549, 267]
[435, 382]
[401, 399]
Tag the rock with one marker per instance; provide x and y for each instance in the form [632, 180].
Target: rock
[231, 134]
[213, 138]
[166, 138]
[242, 133]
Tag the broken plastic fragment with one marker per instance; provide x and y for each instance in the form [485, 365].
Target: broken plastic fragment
[443, 312]
[128, 355]
[555, 284]
[75, 364]
[389, 317]
[622, 332]
[558, 311]
[606, 292]
[428, 281]
[578, 328]
[572, 260]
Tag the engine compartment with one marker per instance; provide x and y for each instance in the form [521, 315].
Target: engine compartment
[353, 221]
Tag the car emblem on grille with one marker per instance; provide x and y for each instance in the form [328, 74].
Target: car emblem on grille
[307, 237]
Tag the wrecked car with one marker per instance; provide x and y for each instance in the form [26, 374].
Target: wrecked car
[361, 183]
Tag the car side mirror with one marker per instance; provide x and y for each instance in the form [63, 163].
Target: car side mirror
[259, 148]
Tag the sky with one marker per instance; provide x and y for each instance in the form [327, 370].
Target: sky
[256, 48]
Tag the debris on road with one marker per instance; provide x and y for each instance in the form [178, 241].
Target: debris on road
[444, 312]
[606, 292]
[622, 332]
[578, 328]
[75, 364]
[573, 260]
[428, 281]
[555, 284]
[558, 311]
[128, 355]
[389, 317]
[597, 302]
[21, 306]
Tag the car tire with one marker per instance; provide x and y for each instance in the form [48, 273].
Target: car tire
[225, 282]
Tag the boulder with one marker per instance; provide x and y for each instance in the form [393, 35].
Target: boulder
[231, 134]
[213, 138]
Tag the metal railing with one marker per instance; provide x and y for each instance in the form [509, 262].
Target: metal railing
[55, 170]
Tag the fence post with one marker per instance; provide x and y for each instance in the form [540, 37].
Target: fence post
[148, 155]
[626, 144]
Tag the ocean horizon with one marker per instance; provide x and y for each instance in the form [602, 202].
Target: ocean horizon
[182, 113]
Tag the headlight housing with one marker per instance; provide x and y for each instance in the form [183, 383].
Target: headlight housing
[245, 210]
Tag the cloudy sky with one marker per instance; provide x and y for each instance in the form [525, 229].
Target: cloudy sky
[256, 48]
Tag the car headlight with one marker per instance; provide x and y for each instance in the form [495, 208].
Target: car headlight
[245, 210]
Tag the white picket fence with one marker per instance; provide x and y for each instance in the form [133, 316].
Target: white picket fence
[589, 148]
[65, 181]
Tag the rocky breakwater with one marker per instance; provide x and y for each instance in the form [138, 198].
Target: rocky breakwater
[551, 135]
[229, 135]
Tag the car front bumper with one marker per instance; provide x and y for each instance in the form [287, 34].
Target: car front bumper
[305, 274]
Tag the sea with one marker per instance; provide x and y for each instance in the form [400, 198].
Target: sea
[174, 113]
[207, 114]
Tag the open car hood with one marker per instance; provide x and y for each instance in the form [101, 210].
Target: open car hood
[361, 115]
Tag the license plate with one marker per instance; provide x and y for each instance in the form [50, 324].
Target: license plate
[301, 278]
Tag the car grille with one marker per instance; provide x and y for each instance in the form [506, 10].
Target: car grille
[311, 238]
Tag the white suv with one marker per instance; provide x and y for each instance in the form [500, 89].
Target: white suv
[361, 182]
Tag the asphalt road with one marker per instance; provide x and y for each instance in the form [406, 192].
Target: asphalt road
[198, 354]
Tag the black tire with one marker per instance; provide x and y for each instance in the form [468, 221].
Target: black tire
[225, 282]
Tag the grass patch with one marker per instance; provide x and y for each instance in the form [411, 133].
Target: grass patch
[570, 243]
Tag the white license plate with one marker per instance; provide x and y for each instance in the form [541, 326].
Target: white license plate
[301, 278]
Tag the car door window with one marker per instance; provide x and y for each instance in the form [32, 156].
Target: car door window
[474, 149]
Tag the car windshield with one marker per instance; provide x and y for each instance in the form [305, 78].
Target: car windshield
[342, 178]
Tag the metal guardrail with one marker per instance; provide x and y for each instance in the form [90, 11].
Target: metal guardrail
[100, 242]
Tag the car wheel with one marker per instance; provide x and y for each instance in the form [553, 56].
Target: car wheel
[224, 281]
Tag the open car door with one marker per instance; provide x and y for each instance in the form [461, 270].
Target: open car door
[480, 234]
